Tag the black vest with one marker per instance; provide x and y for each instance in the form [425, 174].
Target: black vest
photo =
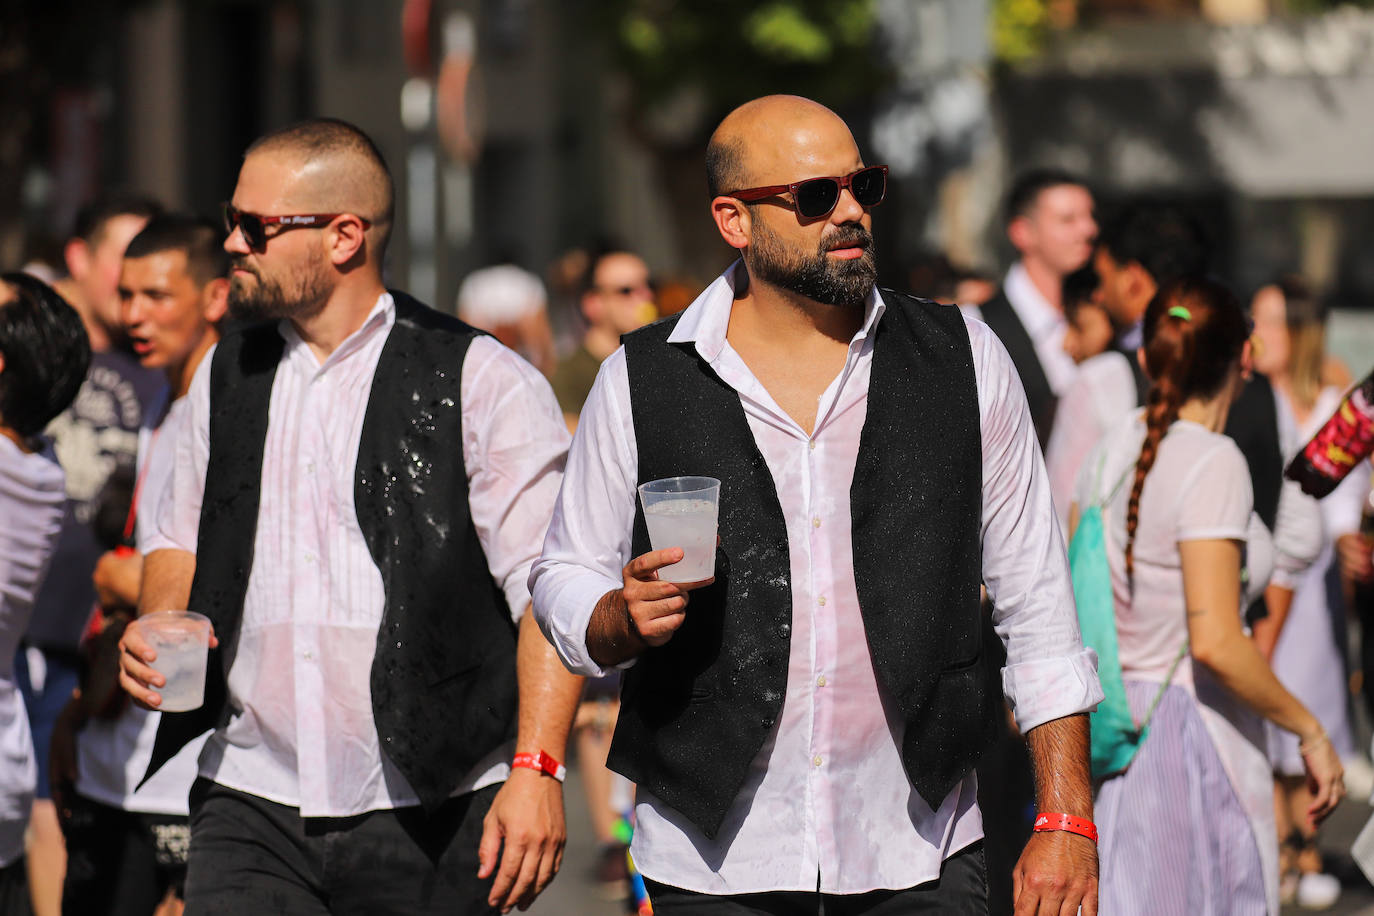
[1001, 317]
[696, 711]
[443, 675]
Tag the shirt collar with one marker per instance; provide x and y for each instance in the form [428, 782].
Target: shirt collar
[381, 317]
[1031, 307]
[704, 323]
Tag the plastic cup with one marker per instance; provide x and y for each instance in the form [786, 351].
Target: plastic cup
[182, 642]
[682, 512]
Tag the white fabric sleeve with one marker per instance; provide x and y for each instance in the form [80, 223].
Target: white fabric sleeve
[1216, 497]
[176, 520]
[1049, 673]
[588, 542]
[514, 446]
[1297, 534]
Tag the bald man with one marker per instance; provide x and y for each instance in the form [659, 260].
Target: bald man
[803, 730]
[358, 495]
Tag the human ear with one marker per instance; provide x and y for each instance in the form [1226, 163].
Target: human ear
[733, 220]
[215, 300]
[347, 237]
[77, 254]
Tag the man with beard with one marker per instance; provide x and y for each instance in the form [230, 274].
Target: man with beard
[802, 733]
[370, 481]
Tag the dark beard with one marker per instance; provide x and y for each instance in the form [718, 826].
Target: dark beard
[816, 277]
[269, 300]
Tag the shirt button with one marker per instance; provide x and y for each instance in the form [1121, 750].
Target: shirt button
[816, 522]
[310, 558]
[308, 655]
[821, 601]
[820, 681]
[811, 444]
[817, 761]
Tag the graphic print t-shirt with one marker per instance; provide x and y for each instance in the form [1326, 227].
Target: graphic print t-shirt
[93, 437]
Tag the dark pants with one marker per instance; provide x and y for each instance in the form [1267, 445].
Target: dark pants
[14, 889]
[252, 856]
[120, 863]
[961, 890]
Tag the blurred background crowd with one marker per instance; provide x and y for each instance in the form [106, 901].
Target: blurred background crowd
[547, 155]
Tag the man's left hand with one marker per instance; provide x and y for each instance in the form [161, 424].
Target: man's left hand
[1056, 874]
[527, 815]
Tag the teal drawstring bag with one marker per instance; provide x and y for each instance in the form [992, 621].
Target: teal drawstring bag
[1115, 735]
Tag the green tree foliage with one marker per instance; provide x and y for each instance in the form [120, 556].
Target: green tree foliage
[734, 50]
[1018, 28]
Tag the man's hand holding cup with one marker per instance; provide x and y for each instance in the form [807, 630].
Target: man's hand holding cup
[655, 608]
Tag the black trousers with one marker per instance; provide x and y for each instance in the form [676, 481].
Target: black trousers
[961, 890]
[14, 889]
[253, 856]
[120, 863]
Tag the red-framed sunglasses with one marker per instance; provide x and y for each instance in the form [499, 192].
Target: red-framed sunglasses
[816, 197]
[254, 226]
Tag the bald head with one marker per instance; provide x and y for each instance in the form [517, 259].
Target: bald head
[332, 167]
[768, 137]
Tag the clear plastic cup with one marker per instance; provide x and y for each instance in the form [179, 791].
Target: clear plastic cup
[682, 512]
[181, 640]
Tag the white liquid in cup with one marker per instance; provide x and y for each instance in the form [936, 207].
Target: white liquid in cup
[691, 525]
[182, 643]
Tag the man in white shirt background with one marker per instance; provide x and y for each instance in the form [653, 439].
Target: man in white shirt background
[126, 843]
[802, 731]
[370, 490]
[1050, 223]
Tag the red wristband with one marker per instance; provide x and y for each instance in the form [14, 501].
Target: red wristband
[544, 763]
[1079, 825]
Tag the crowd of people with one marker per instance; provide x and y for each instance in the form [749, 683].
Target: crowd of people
[418, 541]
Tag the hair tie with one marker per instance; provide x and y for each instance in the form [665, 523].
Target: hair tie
[1179, 311]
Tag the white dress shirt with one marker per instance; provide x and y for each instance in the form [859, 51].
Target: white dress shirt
[32, 496]
[827, 795]
[112, 754]
[1044, 324]
[301, 731]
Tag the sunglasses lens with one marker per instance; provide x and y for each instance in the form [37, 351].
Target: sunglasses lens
[868, 186]
[817, 197]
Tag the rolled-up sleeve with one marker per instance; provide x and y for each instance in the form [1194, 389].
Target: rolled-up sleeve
[514, 446]
[1049, 673]
[588, 542]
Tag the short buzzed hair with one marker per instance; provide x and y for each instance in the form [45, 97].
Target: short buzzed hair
[201, 241]
[724, 166]
[319, 137]
[1028, 186]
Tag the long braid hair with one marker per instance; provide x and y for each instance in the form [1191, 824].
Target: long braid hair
[1194, 333]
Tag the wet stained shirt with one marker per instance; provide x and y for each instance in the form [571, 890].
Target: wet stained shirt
[827, 796]
[302, 731]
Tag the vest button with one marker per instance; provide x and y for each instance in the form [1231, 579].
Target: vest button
[766, 721]
[784, 630]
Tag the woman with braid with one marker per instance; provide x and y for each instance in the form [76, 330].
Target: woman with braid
[1188, 826]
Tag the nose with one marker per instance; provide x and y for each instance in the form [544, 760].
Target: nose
[132, 308]
[235, 243]
[847, 209]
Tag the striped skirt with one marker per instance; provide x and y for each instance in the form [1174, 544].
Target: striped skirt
[1174, 837]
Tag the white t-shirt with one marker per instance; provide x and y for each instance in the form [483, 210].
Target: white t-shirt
[1199, 489]
[31, 499]
[112, 754]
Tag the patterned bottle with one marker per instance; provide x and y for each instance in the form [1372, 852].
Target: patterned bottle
[1343, 442]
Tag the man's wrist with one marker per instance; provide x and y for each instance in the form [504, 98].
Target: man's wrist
[542, 762]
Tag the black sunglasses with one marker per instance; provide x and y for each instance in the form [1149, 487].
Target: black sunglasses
[254, 226]
[816, 197]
